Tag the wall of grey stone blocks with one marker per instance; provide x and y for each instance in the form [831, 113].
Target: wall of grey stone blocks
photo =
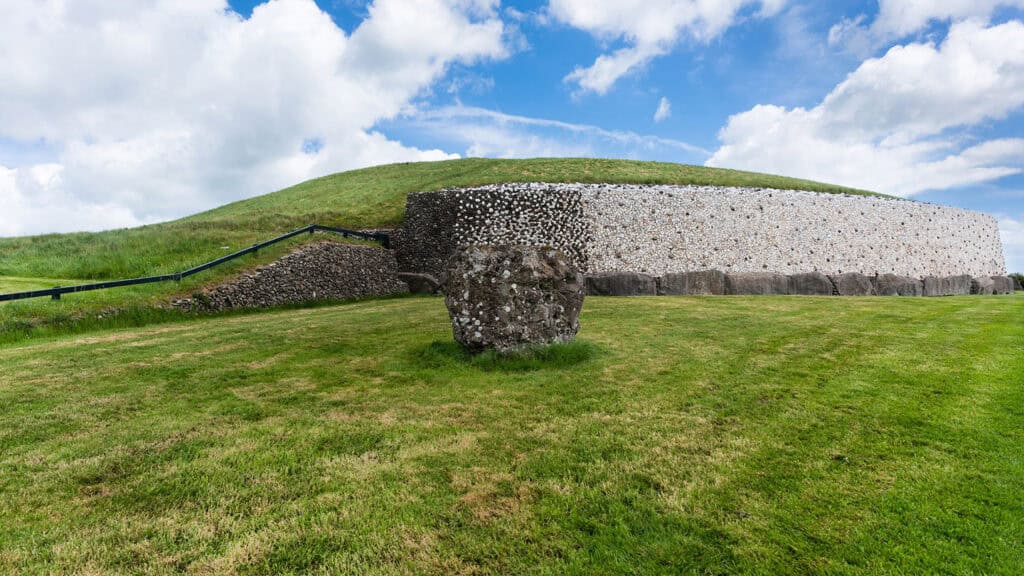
[662, 229]
[324, 270]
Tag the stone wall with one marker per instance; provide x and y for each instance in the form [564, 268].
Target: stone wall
[324, 270]
[657, 230]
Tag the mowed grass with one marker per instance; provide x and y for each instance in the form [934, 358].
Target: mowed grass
[759, 435]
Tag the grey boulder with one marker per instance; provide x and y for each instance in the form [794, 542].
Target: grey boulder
[621, 284]
[983, 285]
[852, 284]
[947, 285]
[420, 283]
[810, 284]
[749, 283]
[703, 283]
[893, 285]
[1002, 285]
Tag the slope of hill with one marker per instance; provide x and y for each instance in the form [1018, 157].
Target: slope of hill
[367, 198]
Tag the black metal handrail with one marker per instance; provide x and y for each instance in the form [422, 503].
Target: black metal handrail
[56, 292]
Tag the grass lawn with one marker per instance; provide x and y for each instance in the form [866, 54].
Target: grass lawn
[763, 434]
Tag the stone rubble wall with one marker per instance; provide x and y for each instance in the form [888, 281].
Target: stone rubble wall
[657, 230]
[324, 270]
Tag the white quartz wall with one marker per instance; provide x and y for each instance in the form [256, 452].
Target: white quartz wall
[659, 229]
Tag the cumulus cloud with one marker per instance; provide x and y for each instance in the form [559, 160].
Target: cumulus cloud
[900, 123]
[37, 194]
[900, 18]
[157, 109]
[650, 28]
[483, 132]
[664, 110]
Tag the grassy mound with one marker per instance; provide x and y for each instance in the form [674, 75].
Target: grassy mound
[765, 435]
[368, 198]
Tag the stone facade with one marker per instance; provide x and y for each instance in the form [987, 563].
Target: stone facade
[658, 230]
[324, 270]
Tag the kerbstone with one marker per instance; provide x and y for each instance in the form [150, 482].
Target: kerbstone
[702, 283]
[983, 285]
[420, 283]
[895, 285]
[621, 284]
[1002, 285]
[810, 284]
[947, 285]
[750, 283]
[852, 284]
[509, 297]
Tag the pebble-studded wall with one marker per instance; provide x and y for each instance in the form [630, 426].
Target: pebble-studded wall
[661, 229]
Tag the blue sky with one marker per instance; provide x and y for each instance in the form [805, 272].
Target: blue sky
[120, 115]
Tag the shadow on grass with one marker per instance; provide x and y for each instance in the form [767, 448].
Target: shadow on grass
[450, 354]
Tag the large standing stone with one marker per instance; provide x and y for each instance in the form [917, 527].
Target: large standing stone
[508, 297]
[743, 283]
[621, 284]
[852, 284]
[810, 284]
[893, 285]
[703, 283]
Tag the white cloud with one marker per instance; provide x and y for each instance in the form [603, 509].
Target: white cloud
[651, 28]
[489, 133]
[664, 110]
[1012, 232]
[37, 194]
[900, 18]
[898, 124]
[159, 108]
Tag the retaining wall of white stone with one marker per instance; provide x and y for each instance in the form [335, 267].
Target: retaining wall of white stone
[662, 229]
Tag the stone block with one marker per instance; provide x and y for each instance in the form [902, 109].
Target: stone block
[811, 284]
[1002, 285]
[744, 283]
[705, 282]
[420, 283]
[852, 284]
[621, 284]
[322, 270]
[893, 285]
[509, 297]
[947, 285]
[983, 285]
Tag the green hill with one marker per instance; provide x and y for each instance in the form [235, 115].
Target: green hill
[367, 198]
